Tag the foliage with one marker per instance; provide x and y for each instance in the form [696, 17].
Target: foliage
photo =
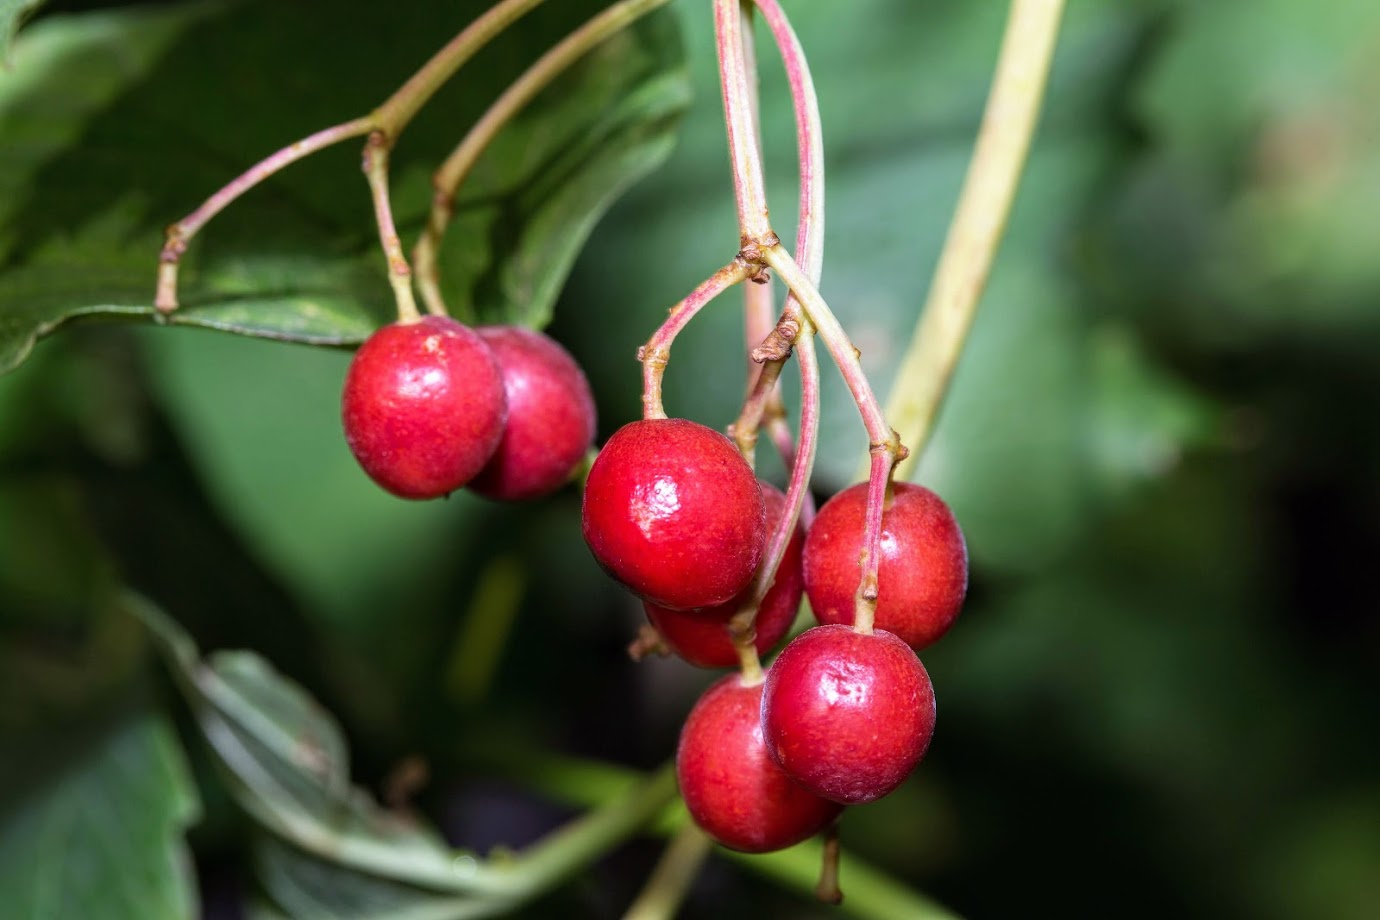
[1159, 445]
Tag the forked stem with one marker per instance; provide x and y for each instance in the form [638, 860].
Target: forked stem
[179, 234]
[388, 119]
[885, 446]
[457, 167]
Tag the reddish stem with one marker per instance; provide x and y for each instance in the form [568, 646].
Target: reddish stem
[744, 151]
[657, 351]
[180, 233]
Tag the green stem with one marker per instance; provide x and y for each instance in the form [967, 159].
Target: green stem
[401, 107]
[556, 857]
[399, 274]
[671, 879]
[458, 165]
[1008, 124]
[388, 120]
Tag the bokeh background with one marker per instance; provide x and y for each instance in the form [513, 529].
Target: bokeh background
[1163, 697]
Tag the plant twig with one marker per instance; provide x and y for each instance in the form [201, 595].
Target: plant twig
[885, 446]
[669, 882]
[1008, 124]
[657, 351]
[739, 119]
[399, 274]
[388, 119]
[520, 92]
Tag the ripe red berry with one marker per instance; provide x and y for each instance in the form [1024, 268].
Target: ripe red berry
[551, 416]
[423, 406]
[923, 574]
[674, 512]
[847, 715]
[701, 637]
[731, 787]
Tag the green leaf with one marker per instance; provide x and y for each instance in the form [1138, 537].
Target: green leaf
[284, 759]
[303, 887]
[263, 426]
[101, 836]
[1260, 190]
[116, 138]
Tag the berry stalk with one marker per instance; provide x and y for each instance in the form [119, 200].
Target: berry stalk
[389, 119]
[670, 881]
[657, 351]
[399, 274]
[793, 329]
[457, 166]
[179, 234]
[885, 447]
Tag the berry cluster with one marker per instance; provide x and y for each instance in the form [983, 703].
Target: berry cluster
[433, 405]
[674, 513]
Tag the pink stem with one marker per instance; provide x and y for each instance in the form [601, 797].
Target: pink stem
[748, 185]
[181, 233]
[657, 351]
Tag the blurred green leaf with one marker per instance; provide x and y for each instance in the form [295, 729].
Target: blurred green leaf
[284, 759]
[1258, 198]
[301, 887]
[12, 16]
[101, 836]
[262, 424]
[115, 143]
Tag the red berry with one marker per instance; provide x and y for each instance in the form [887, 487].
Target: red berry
[701, 636]
[674, 512]
[847, 715]
[550, 416]
[923, 574]
[423, 406]
[731, 787]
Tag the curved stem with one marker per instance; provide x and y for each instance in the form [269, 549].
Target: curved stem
[401, 107]
[671, 879]
[399, 275]
[885, 447]
[793, 328]
[1013, 108]
[180, 233]
[836, 341]
[744, 151]
[458, 165]
[557, 856]
[389, 118]
[657, 351]
[809, 242]
[798, 489]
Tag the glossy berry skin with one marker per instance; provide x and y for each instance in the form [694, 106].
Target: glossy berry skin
[733, 790]
[423, 406]
[701, 636]
[923, 574]
[551, 416]
[847, 715]
[674, 512]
